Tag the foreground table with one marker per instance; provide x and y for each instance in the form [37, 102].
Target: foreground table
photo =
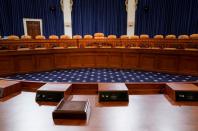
[142, 113]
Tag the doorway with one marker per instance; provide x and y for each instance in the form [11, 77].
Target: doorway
[33, 27]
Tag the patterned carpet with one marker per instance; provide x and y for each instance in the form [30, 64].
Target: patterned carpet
[102, 75]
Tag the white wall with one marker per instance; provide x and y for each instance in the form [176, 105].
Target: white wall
[131, 17]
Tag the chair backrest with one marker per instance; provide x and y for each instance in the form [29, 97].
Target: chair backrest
[0, 38]
[53, 37]
[194, 36]
[65, 37]
[134, 37]
[124, 37]
[77, 37]
[13, 37]
[144, 36]
[158, 37]
[88, 37]
[40, 37]
[26, 37]
[112, 37]
[183, 37]
[99, 34]
[170, 37]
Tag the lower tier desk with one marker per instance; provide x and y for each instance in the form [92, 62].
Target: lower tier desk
[169, 61]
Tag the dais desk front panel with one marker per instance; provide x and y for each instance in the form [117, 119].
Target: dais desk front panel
[177, 61]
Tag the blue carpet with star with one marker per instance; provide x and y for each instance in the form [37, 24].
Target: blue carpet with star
[102, 75]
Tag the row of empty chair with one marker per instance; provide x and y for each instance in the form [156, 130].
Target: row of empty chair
[102, 36]
[102, 43]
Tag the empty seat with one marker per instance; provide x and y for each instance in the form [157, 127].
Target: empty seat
[183, 37]
[120, 44]
[171, 45]
[133, 44]
[144, 36]
[183, 45]
[26, 37]
[74, 45]
[124, 37]
[134, 37]
[88, 37]
[108, 44]
[144, 43]
[194, 36]
[157, 43]
[112, 37]
[66, 45]
[24, 46]
[53, 37]
[40, 37]
[77, 37]
[99, 35]
[13, 37]
[170, 37]
[158, 37]
[192, 46]
[65, 37]
[41, 46]
[55, 45]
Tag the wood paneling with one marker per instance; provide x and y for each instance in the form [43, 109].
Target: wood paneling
[25, 64]
[61, 61]
[6, 65]
[130, 60]
[147, 62]
[85, 88]
[177, 61]
[115, 60]
[88, 60]
[45, 62]
[102, 60]
[188, 65]
[75, 60]
[145, 88]
[168, 63]
[31, 86]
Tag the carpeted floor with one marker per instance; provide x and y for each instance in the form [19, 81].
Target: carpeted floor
[102, 75]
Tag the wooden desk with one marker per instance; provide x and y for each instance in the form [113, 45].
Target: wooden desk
[183, 87]
[182, 91]
[143, 113]
[112, 87]
[9, 87]
[113, 92]
[53, 87]
[97, 43]
[169, 61]
[170, 56]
